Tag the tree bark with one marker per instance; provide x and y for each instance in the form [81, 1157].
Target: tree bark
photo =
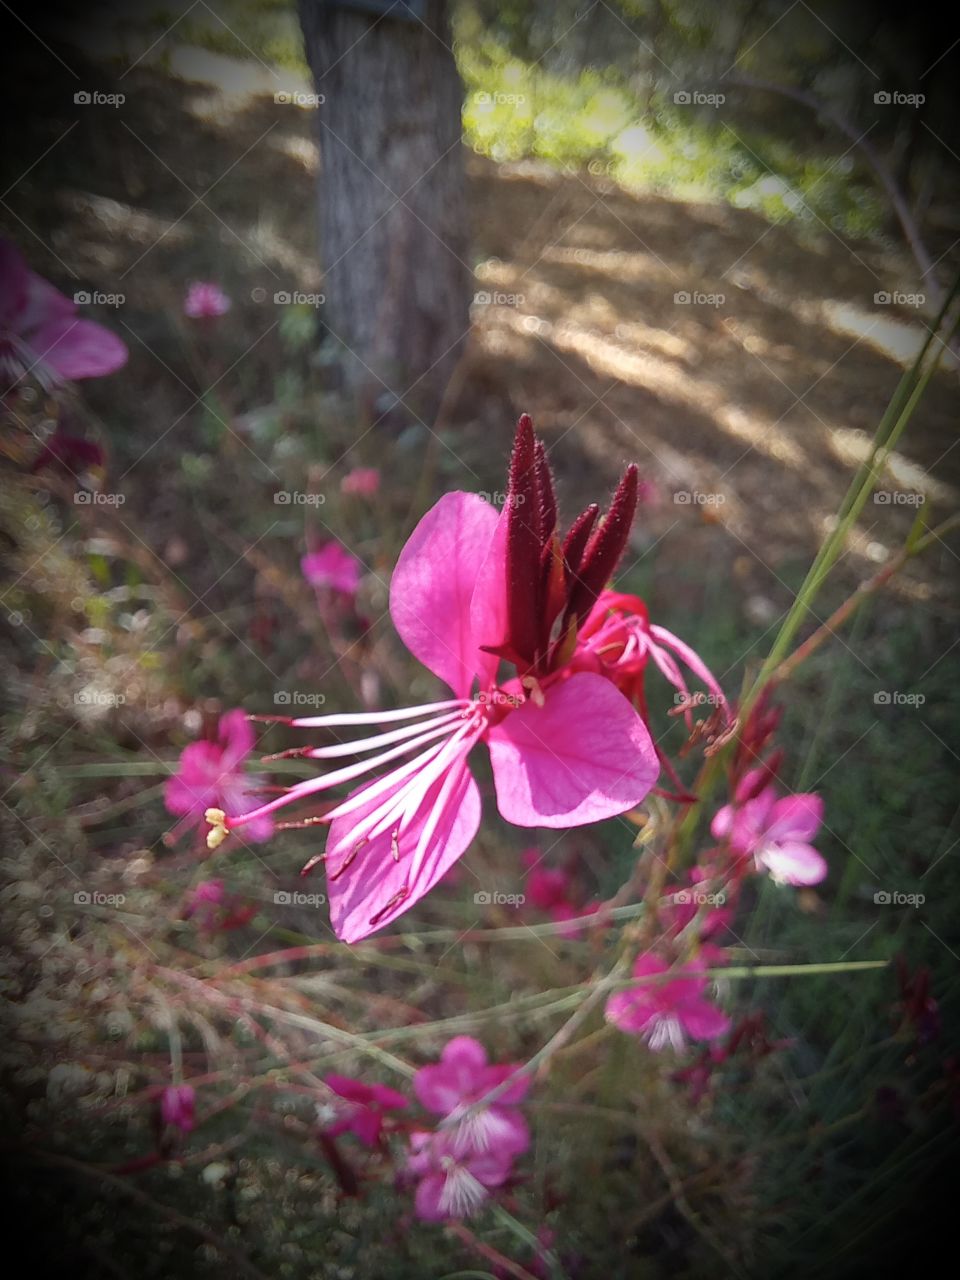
[391, 199]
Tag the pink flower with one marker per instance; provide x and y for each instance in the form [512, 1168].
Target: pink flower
[177, 1107]
[211, 775]
[453, 1183]
[41, 334]
[461, 1078]
[776, 833]
[566, 747]
[363, 1112]
[667, 1013]
[333, 567]
[363, 481]
[205, 301]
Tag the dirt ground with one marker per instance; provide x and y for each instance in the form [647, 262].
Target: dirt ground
[747, 408]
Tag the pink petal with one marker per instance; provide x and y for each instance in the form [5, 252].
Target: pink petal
[795, 817]
[373, 879]
[193, 786]
[236, 737]
[78, 348]
[427, 1199]
[433, 585]
[442, 1086]
[722, 823]
[793, 862]
[583, 756]
[703, 1021]
[488, 608]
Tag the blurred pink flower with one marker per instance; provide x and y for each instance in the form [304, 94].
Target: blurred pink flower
[177, 1107]
[667, 1013]
[205, 300]
[41, 334]
[333, 567]
[775, 833]
[364, 481]
[452, 1086]
[214, 910]
[453, 1183]
[363, 1110]
[211, 775]
[554, 891]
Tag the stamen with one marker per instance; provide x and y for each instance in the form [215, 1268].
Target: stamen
[377, 717]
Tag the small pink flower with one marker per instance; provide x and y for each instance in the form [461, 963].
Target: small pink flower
[362, 481]
[333, 567]
[453, 1183]
[205, 301]
[364, 1107]
[177, 1107]
[211, 776]
[41, 334]
[453, 1085]
[775, 833]
[667, 1013]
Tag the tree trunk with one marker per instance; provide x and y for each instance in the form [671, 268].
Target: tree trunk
[392, 201]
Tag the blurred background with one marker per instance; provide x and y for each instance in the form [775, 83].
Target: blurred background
[707, 239]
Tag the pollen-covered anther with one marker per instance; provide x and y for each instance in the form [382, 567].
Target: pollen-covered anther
[532, 686]
[218, 828]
